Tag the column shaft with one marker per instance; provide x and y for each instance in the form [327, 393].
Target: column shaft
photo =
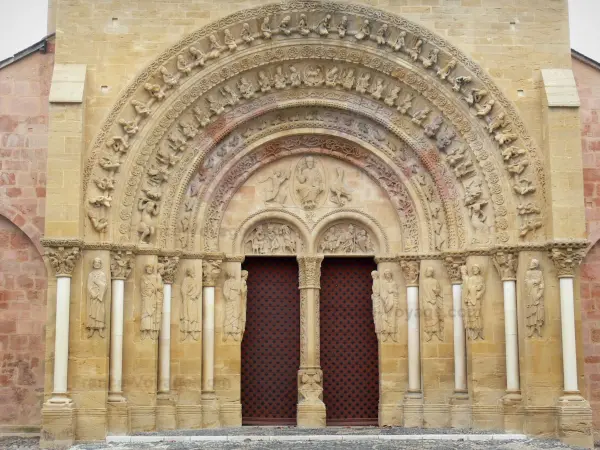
[61, 342]
[116, 340]
[510, 330]
[414, 359]
[460, 360]
[164, 343]
[567, 319]
[208, 338]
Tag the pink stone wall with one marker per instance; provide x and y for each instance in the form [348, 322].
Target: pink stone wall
[24, 88]
[588, 84]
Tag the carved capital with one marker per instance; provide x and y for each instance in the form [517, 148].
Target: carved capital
[121, 264]
[506, 265]
[566, 260]
[310, 271]
[63, 260]
[167, 268]
[410, 271]
[211, 269]
[453, 264]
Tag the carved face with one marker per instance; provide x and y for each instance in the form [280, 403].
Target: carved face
[97, 263]
[534, 264]
[244, 274]
[387, 275]
[149, 269]
[190, 273]
[475, 269]
[375, 274]
[429, 272]
[310, 162]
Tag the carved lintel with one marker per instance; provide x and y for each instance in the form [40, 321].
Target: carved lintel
[453, 264]
[121, 264]
[63, 260]
[410, 270]
[167, 267]
[506, 265]
[310, 271]
[566, 260]
[211, 269]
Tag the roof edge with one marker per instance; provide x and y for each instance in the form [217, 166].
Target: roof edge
[584, 59]
[40, 46]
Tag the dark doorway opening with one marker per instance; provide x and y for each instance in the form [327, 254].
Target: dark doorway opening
[271, 344]
[349, 348]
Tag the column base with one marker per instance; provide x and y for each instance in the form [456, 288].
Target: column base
[514, 413]
[311, 415]
[210, 410]
[189, 417]
[388, 415]
[165, 412]
[117, 416]
[116, 397]
[413, 410]
[460, 410]
[231, 414]
[58, 424]
[575, 420]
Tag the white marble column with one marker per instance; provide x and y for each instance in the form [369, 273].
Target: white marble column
[120, 267]
[506, 265]
[311, 412]
[167, 267]
[63, 262]
[211, 269]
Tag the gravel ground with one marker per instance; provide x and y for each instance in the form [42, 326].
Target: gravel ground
[12, 443]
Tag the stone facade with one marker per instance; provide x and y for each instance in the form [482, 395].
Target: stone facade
[314, 129]
[24, 88]
[587, 75]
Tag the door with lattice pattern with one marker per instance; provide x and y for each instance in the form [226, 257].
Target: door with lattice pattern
[349, 349]
[271, 344]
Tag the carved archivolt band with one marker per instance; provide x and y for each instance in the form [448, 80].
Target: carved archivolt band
[209, 59]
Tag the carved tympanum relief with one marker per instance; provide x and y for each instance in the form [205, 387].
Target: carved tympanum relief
[97, 285]
[385, 299]
[235, 294]
[474, 87]
[346, 238]
[473, 295]
[432, 306]
[151, 291]
[272, 239]
[535, 314]
[309, 183]
[190, 320]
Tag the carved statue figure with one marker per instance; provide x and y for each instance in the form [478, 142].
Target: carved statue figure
[313, 76]
[534, 285]
[183, 66]
[431, 59]
[459, 82]
[348, 79]
[364, 32]
[377, 89]
[246, 88]
[265, 28]
[381, 35]
[169, 79]
[376, 299]
[155, 91]
[276, 239]
[284, 25]
[338, 193]
[246, 34]
[400, 41]
[191, 306]
[331, 77]
[215, 47]
[233, 308]
[473, 292]
[362, 84]
[148, 206]
[420, 116]
[389, 304]
[485, 109]
[303, 25]
[343, 27]
[96, 306]
[264, 81]
[273, 191]
[434, 126]
[433, 307]
[416, 50]
[141, 108]
[346, 239]
[445, 71]
[496, 123]
[392, 96]
[406, 103]
[295, 78]
[129, 126]
[475, 96]
[199, 56]
[323, 25]
[505, 137]
[228, 93]
[151, 290]
[243, 300]
[280, 78]
[310, 183]
[229, 40]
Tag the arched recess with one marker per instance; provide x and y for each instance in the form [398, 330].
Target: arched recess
[401, 75]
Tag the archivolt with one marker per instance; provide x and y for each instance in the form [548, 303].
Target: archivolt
[470, 85]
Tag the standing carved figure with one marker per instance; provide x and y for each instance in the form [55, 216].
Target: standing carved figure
[310, 183]
[433, 306]
[339, 194]
[96, 307]
[473, 291]
[151, 289]
[364, 32]
[244, 301]
[389, 305]
[323, 25]
[232, 316]
[343, 27]
[534, 285]
[191, 306]
[376, 298]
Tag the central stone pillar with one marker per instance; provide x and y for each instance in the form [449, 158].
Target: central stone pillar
[413, 399]
[574, 413]
[211, 269]
[311, 409]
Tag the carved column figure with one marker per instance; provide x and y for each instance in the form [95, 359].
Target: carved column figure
[506, 265]
[235, 295]
[96, 305]
[473, 293]
[535, 310]
[413, 400]
[167, 268]
[62, 259]
[121, 264]
[311, 409]
[211, 269]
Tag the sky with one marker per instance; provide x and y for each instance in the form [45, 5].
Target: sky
[24, 22]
